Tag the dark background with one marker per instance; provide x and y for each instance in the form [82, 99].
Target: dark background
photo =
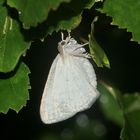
[124, 57]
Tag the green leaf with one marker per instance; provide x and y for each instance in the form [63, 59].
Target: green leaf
[2, 2]
[125, 14]
[12, 43]
[109, 103]
[97, 53]
[14, 90]
[122, 109]
[67, 16]
[131, 108]
[33, 12]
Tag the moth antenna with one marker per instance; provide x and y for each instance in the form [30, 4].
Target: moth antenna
[69, 36]
[62, 36]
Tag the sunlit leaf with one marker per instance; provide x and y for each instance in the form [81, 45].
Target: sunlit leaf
[14, 90]
[96, 51]
[33, 12]
[12, 43]
[125, 14]
[67, 16]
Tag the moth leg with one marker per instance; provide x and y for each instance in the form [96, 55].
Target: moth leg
[85, 55]
[80, 46]
[80, 51]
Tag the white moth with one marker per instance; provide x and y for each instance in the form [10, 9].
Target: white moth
[71, 83]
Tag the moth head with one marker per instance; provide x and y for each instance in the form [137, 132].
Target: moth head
[66, 45]
[61, 46]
